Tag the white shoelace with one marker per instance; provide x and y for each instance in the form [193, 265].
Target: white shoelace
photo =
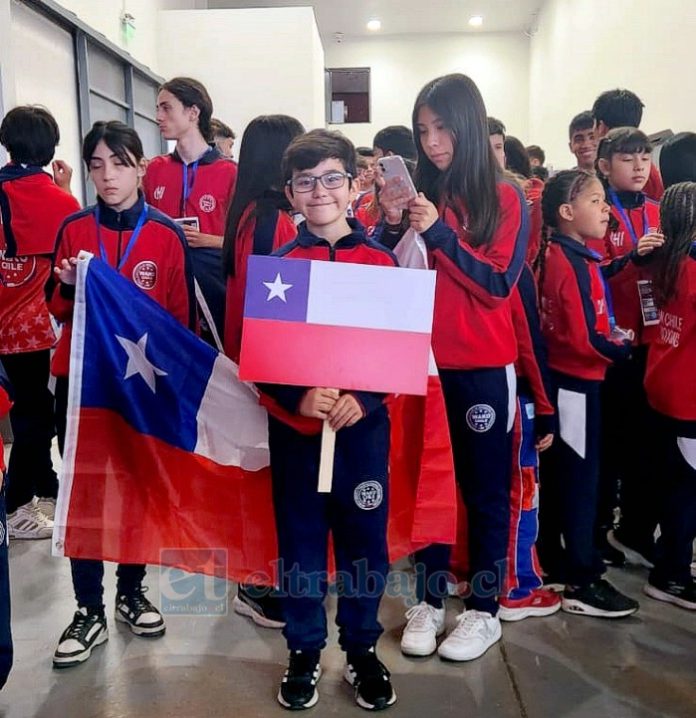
[421, 618]
[469, 624]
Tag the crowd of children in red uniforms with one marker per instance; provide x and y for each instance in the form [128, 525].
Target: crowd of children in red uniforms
[559, 302]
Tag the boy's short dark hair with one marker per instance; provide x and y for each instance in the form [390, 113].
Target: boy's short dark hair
[540, 172]
[582, 121]
[30, 134]
[119, 138]
[308, 150]
[535, 152]
[365, 151]
[618, 108]
[678, 159]
[496, 127]
[623, 140]
[192, 93]
[397, 139]
[219, 129]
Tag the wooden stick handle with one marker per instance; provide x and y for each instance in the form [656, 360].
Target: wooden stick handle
[326, 461]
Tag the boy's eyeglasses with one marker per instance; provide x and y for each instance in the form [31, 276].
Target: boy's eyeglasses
[330, 180]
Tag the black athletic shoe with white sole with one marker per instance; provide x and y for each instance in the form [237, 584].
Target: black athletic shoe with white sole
[298, 689]
[87, 631]
[675, 592]
[139, 614]
[599, 599]
[259, 603]
[370, 679]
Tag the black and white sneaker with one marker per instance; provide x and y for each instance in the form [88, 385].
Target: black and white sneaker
[370, 679]
[298, 689]
[680, 594]
[87, 631]
[259, 603]
[599, 599]
[139, 614]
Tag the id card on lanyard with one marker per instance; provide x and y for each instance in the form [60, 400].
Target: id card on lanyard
[131, 242]
[187, 187]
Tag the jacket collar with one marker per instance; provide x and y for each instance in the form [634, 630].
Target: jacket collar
[628, 200]
[357, 236]
[572, 245]
[211, 155]
[126, 219]
[13, 171]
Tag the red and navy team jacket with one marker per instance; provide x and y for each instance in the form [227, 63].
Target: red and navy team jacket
[282, 402]
[670, 378]
[32, 208]
[643, 213]
[158, 263]
[210, 183]
[472, 325]
[574, 312]
[533, 377]
[255, 235]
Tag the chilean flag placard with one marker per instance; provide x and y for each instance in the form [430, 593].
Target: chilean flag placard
[334, 324]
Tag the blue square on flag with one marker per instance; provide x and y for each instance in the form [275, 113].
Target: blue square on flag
[277, 288]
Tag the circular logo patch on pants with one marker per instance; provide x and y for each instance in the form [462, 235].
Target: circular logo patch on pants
[480, 418]
[368, 495]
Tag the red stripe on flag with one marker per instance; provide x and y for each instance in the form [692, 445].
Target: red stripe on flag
[303, 354]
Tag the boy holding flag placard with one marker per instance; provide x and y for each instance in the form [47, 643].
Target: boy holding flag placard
[296, 307]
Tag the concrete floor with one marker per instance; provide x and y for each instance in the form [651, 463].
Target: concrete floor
[562, 666]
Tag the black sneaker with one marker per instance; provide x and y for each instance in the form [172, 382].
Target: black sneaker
[139, 614]
[87, 631]
[259, 603]
[370, 679]
[680, 594]
[599, 599]
[298, 689]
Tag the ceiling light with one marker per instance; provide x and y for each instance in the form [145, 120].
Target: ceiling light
[476, 20]
[374, 24]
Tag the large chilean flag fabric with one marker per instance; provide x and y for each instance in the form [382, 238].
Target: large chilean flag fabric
[335, 324]
[166, 454]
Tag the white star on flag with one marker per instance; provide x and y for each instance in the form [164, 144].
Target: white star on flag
[138, 363]
[276, 288]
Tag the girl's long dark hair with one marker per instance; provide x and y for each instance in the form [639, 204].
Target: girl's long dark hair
[678, 222]
[517, 158]
[471, 178]
[259, 178]
[562, 188]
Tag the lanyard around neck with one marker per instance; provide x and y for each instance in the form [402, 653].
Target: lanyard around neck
[131, 242]
[187, 187]
[625, 218]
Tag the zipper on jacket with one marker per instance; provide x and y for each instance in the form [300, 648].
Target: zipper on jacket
[118, 251]
[332, 253]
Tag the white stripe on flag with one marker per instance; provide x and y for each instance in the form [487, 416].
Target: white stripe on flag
[371, 297]
[232, 426]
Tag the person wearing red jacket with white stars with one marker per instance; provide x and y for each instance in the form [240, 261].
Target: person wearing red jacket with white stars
[32, 207]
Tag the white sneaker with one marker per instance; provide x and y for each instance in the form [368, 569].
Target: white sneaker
[29, 522]
[46, 506]
[425, 624]
[474, 634]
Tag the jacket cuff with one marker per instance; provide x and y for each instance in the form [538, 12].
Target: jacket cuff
[545, 424]
[368, 400]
